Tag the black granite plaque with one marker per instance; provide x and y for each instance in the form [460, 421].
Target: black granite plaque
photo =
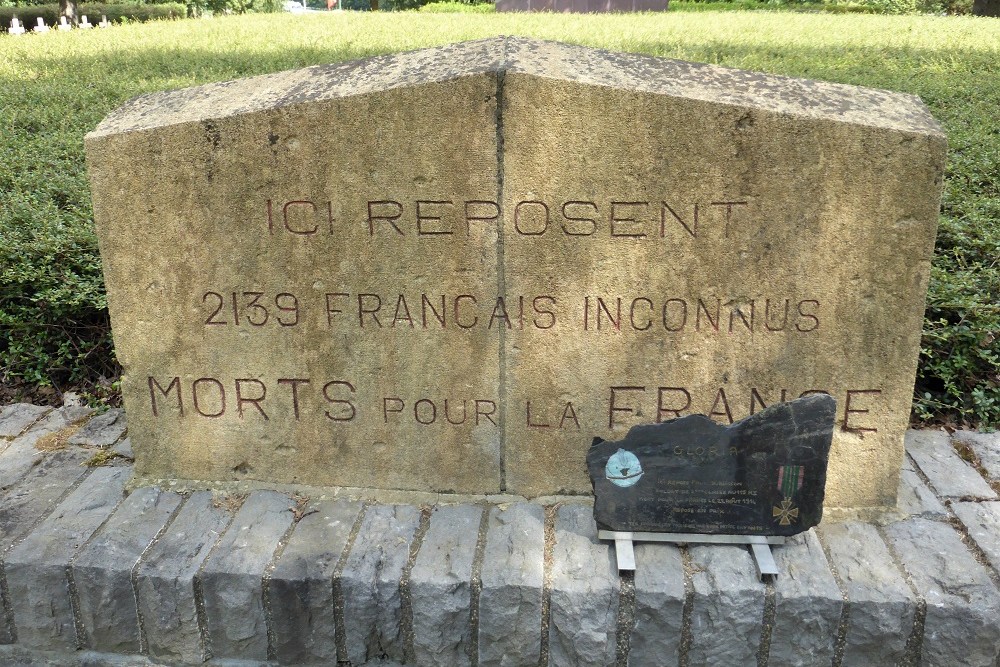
[765, 475]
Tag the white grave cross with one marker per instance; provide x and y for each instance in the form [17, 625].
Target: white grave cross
[41, 27]
[15, 27]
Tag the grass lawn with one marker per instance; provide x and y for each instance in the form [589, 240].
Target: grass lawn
[56, 87]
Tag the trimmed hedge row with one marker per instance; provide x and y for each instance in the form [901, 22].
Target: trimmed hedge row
[28, 16]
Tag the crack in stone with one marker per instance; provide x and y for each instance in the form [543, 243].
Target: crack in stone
[406, 600]
[914, 643]
[339, 629]
[684, 649]
[476, 586]
[5, 603]
[74, 594]
[626, 617]
[767, 624]
[501, 276]
[840, 643]
[549, 545]
[134, 575]
[205, 639]
[265, 585]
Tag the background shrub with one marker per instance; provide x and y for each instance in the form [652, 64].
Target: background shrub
[28, 14]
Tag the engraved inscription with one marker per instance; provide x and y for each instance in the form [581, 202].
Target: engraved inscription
[338, 401]
[457, 217]
[380, 310]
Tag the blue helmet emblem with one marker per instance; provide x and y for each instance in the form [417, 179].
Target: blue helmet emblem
[623, 468]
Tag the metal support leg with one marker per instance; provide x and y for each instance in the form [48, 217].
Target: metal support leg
[764, 560]
[624, 553]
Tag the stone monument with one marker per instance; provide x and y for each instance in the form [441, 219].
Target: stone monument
[448, 270]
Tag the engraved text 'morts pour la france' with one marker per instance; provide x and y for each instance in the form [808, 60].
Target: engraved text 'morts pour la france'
[765, 475]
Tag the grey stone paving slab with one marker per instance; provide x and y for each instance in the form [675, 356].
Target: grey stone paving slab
[102, 571]
[232, 577]
[950, 476]
[960, 626]
[963, 605]
[19, 416]
[102, 430]
[32, 498]
[370, 583]
[36, 569]
[987, 448]
[441, 587]
[982, 522]
[659, 605]
[808, 604]
[16, 656]
[882, 605]
[301, 585]
[585, 585]
[165, 579]
[915, 497]
[510, 602]
[728, 608]
[124, 448]
[21, 455]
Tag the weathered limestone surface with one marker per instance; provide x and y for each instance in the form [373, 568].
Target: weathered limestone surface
[36, 569]
[38, 492]
[453, 255]
[22, 455]
[19, 416]
[915, 498]
[585, 586]
[34, 497]
[370, 594]
[659, 605]
[300, 588]
[441, 587]
[950, 476]
[808, 604]
[982, 523]
[987, 448]
[370, 583]
[510, 602]
[882, 605]
[103, 430]
[102, 572]
[728, 606]
[165, 579]
[962, 603]
[232, 577]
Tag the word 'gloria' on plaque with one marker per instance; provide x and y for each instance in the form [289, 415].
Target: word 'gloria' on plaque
[764, 475]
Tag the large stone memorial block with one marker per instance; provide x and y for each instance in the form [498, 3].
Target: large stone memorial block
[448, 270]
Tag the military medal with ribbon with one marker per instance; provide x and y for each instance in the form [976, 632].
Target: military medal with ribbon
[789, 481]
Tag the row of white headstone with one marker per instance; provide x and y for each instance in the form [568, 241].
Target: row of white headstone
[16, 28]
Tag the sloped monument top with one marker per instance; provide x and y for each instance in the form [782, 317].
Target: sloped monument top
[448, 270]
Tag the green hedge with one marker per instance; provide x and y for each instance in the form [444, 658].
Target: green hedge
[28, 15]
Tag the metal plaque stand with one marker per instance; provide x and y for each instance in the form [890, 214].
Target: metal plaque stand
[760, 546]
